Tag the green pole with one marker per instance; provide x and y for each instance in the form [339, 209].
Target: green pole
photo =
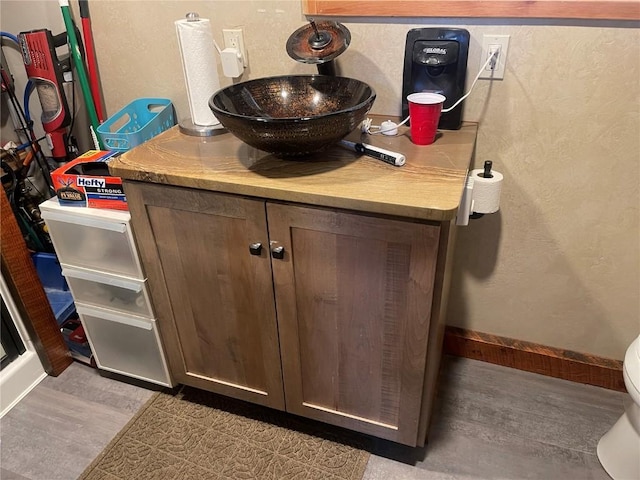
[82, 74]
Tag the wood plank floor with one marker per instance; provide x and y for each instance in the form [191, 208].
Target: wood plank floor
[490, 422]
[494, 422]
[64, 423]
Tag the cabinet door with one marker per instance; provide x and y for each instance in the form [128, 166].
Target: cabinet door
[213, 298]
[353, 296]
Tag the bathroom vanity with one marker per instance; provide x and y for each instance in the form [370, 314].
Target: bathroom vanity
[313, 286]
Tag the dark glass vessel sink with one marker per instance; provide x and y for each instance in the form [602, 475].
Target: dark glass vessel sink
[293, 115]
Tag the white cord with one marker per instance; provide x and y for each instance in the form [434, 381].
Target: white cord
[366, 124]
[215, 44]
[445, 110]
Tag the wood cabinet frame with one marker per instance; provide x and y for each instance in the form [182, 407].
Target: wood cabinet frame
[357, 346]
[574, 9]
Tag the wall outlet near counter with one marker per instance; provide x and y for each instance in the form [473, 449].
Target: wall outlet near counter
[491, 43]
[233, 39]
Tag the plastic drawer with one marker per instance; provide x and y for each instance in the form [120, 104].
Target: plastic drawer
[93, 238]
[114, 292]
[125, 344]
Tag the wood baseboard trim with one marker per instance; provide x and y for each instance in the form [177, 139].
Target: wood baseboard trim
[536, 358]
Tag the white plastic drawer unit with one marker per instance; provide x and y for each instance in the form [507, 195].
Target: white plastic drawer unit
[92, 238]
[115, 292]
[125, 344]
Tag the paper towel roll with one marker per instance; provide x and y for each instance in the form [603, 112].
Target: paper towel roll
[486, 191]
[198, 55]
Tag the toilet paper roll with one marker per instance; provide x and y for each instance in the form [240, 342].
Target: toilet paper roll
[486, 191]
[198, 54]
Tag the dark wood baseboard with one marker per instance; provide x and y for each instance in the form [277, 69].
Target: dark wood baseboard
[532, 357]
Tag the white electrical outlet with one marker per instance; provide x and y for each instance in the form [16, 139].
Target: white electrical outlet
[233, 39]
[491, 43]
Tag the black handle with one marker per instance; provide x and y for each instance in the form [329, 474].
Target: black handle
[277, 252]
[255, 248]
[84, 8]
[487, 169]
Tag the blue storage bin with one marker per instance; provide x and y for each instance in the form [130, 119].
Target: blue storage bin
[139, 121]
[49, 271]
[55, 285]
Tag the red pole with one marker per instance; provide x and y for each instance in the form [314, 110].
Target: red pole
[92, 64]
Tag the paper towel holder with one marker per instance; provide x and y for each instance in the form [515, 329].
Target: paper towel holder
[186, 125]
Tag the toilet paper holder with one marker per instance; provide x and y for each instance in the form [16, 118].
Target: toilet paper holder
[491, 185]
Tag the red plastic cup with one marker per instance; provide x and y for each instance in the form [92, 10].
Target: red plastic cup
[424, 115]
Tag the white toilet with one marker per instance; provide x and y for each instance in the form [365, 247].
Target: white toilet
[619, 448]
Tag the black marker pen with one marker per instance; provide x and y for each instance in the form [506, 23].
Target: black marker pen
[387, 156]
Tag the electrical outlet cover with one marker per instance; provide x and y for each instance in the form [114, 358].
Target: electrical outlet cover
[233, 39]
[489, 42]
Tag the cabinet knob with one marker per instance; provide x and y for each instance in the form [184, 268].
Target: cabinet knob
[255, 248]
[277, 252]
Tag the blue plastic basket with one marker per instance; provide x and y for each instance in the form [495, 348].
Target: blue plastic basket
[139, 121]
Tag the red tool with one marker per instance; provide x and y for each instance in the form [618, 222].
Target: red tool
[92, 64]
[45, 70]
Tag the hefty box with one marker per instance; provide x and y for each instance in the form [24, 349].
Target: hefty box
[86, 182]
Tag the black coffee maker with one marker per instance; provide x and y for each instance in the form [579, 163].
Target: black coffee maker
[435, 60]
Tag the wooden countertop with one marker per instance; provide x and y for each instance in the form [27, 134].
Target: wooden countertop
[428, 186]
